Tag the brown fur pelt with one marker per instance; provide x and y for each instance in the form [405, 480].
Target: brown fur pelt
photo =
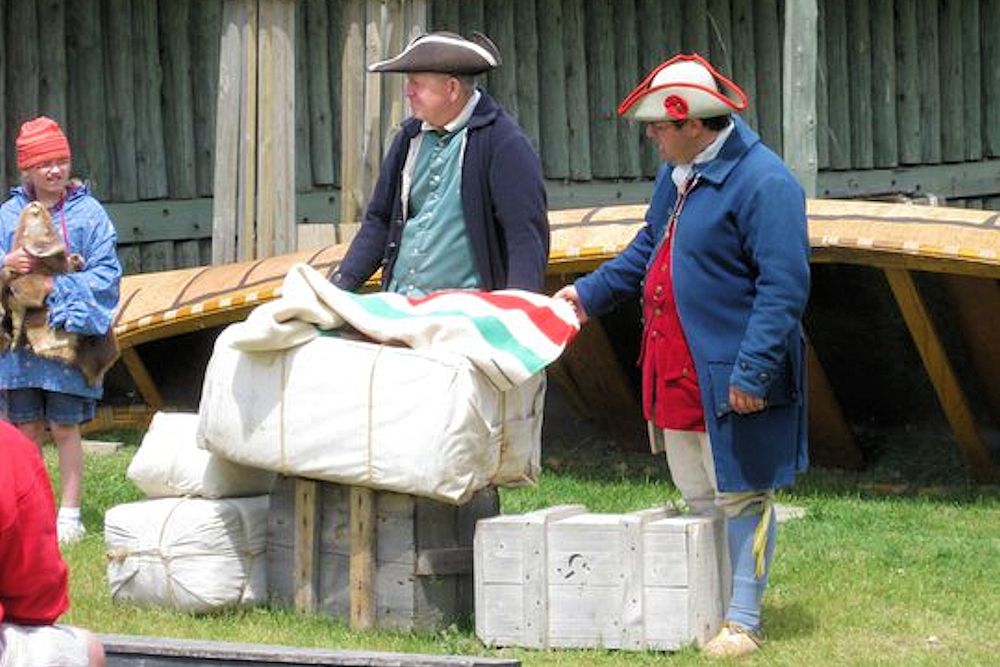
[24, 314]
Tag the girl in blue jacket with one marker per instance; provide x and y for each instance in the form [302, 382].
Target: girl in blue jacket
[41, 391]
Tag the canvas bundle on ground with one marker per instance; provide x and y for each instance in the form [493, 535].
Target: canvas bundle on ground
[562, 577]
[188, 554]
[170, 463]
[422, 422]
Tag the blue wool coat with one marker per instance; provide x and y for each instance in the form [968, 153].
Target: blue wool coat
[81, 303]
[503, 201]
[740, 267]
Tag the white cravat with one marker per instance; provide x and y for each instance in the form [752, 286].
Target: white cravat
[681, 172]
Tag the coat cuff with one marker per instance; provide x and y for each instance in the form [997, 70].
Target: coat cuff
[752, 378]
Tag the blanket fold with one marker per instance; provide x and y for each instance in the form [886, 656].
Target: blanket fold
[509, 335]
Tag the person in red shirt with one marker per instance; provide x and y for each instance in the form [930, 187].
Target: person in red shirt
[33, 574]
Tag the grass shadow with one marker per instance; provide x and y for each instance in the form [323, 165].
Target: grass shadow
[789, 621]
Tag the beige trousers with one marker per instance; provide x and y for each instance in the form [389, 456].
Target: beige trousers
[689, 457]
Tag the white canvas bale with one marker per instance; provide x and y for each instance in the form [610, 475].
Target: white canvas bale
[358, 413]
[170, 463]
[564, 578]
[188, 554]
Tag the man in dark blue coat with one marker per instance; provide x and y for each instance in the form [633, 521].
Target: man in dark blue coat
[722, 266]
[460, 201]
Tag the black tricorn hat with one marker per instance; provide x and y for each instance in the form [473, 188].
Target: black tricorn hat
[444, 52]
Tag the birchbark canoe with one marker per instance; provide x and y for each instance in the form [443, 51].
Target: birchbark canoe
[962, 245]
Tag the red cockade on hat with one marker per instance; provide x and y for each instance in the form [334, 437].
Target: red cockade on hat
[40, 140]
[676, 107]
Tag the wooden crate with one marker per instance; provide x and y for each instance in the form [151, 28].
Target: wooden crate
[414, 572]
[563, 577]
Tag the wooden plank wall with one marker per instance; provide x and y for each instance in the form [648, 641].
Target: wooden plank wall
[908, 85]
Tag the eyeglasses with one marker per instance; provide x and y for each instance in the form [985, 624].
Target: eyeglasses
[664, 124]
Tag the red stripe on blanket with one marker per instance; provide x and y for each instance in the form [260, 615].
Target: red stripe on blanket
[551, 325]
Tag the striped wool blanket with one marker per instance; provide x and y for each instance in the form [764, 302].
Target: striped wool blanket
[509, 335]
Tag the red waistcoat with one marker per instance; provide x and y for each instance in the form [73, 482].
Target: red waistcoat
[670, 395]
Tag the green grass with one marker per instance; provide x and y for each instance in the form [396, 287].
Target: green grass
[899, 565]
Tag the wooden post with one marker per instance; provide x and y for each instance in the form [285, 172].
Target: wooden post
[695, 33]
[942, 375]
[602, 120]
[88, 127]
[837, 88]
[653, 50]
[972, 70]
[502, 81]
[121, 110]
[143, 380]
[362, 558]
[371, 103]
[822, 101]
[744, 63]
[767, 40]
[150, 159]
[524, 59]
[178, 121]
[574, 42]
[254, 208]
[321, 115]
[275, 185]
[859, 60]
[627, 72]
[952, 83]
[928, 58]
[907, 83]
[883, 55]
[799, 92]
[52, 65]
[991, 76]
[25, 39]
[976, 303]
[206, 22]
[235, 157]
[305, 547]
[831, 442]
[552, 126]
[352, 100]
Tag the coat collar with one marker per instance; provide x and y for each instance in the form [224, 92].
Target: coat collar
[76, 192]
[741, 140]
[485, 113]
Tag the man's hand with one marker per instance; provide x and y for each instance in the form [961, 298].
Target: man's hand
[743, 403]
[569, 295]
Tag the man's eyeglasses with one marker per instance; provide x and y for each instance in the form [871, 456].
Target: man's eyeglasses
[664, 124]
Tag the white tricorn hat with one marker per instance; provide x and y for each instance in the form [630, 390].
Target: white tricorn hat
[444, 52]
[686, 86]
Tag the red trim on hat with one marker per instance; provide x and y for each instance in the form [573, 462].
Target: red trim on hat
[645, 87]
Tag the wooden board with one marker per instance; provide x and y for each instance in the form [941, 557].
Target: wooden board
[138, 651]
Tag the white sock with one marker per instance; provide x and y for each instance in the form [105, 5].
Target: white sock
[69, 514]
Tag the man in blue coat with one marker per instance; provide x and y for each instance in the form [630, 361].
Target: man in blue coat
[722, 266]
[460, 201]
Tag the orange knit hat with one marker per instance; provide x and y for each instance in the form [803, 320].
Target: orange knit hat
[39, 141]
